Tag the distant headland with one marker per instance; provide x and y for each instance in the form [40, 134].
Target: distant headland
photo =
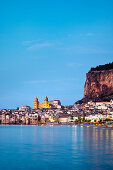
[99, 84]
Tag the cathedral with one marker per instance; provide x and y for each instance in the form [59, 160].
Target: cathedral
[46, 103]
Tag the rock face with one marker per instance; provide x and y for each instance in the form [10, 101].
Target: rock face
[98, 86]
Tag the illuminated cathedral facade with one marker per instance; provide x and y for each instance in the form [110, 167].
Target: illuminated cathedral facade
[46, 103]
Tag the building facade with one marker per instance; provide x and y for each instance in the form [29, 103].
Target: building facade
[46, 103]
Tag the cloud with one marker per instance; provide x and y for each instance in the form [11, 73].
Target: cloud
[69, 35]
[87, 50]
[36, 81]
[39, 45]
[36, 44]
[89, 34]
[86, 35]
[26, 43]
[72, 64]
[50, 81]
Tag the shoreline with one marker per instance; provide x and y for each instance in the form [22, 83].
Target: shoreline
[63, 124]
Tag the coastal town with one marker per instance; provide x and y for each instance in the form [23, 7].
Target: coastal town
[53, 113]
[96, 106]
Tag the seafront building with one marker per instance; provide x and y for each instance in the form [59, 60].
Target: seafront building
[53, 112]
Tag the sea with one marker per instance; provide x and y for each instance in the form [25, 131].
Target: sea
[55, 148]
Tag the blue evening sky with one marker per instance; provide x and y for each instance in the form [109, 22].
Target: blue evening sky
[48, 46]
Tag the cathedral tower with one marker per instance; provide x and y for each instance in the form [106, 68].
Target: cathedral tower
[46, 103]
[36, 103]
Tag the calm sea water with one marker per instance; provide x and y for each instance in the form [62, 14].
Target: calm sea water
[63, 147]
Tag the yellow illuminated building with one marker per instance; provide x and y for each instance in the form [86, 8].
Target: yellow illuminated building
[36, 103]
[45, 104]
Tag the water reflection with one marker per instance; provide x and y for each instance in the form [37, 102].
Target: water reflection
[62, 147]
[94, 145]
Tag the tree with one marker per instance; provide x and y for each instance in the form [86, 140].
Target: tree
[103, 67]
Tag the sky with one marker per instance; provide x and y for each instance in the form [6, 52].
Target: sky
[47, 47]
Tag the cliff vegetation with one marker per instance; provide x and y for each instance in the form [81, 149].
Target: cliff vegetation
[103, 67]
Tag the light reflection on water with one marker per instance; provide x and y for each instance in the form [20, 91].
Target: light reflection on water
[62, 147]
[95, 146]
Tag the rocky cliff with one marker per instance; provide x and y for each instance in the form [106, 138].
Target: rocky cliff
[99, 84]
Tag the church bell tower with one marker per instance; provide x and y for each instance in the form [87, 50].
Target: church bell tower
[36, 103]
